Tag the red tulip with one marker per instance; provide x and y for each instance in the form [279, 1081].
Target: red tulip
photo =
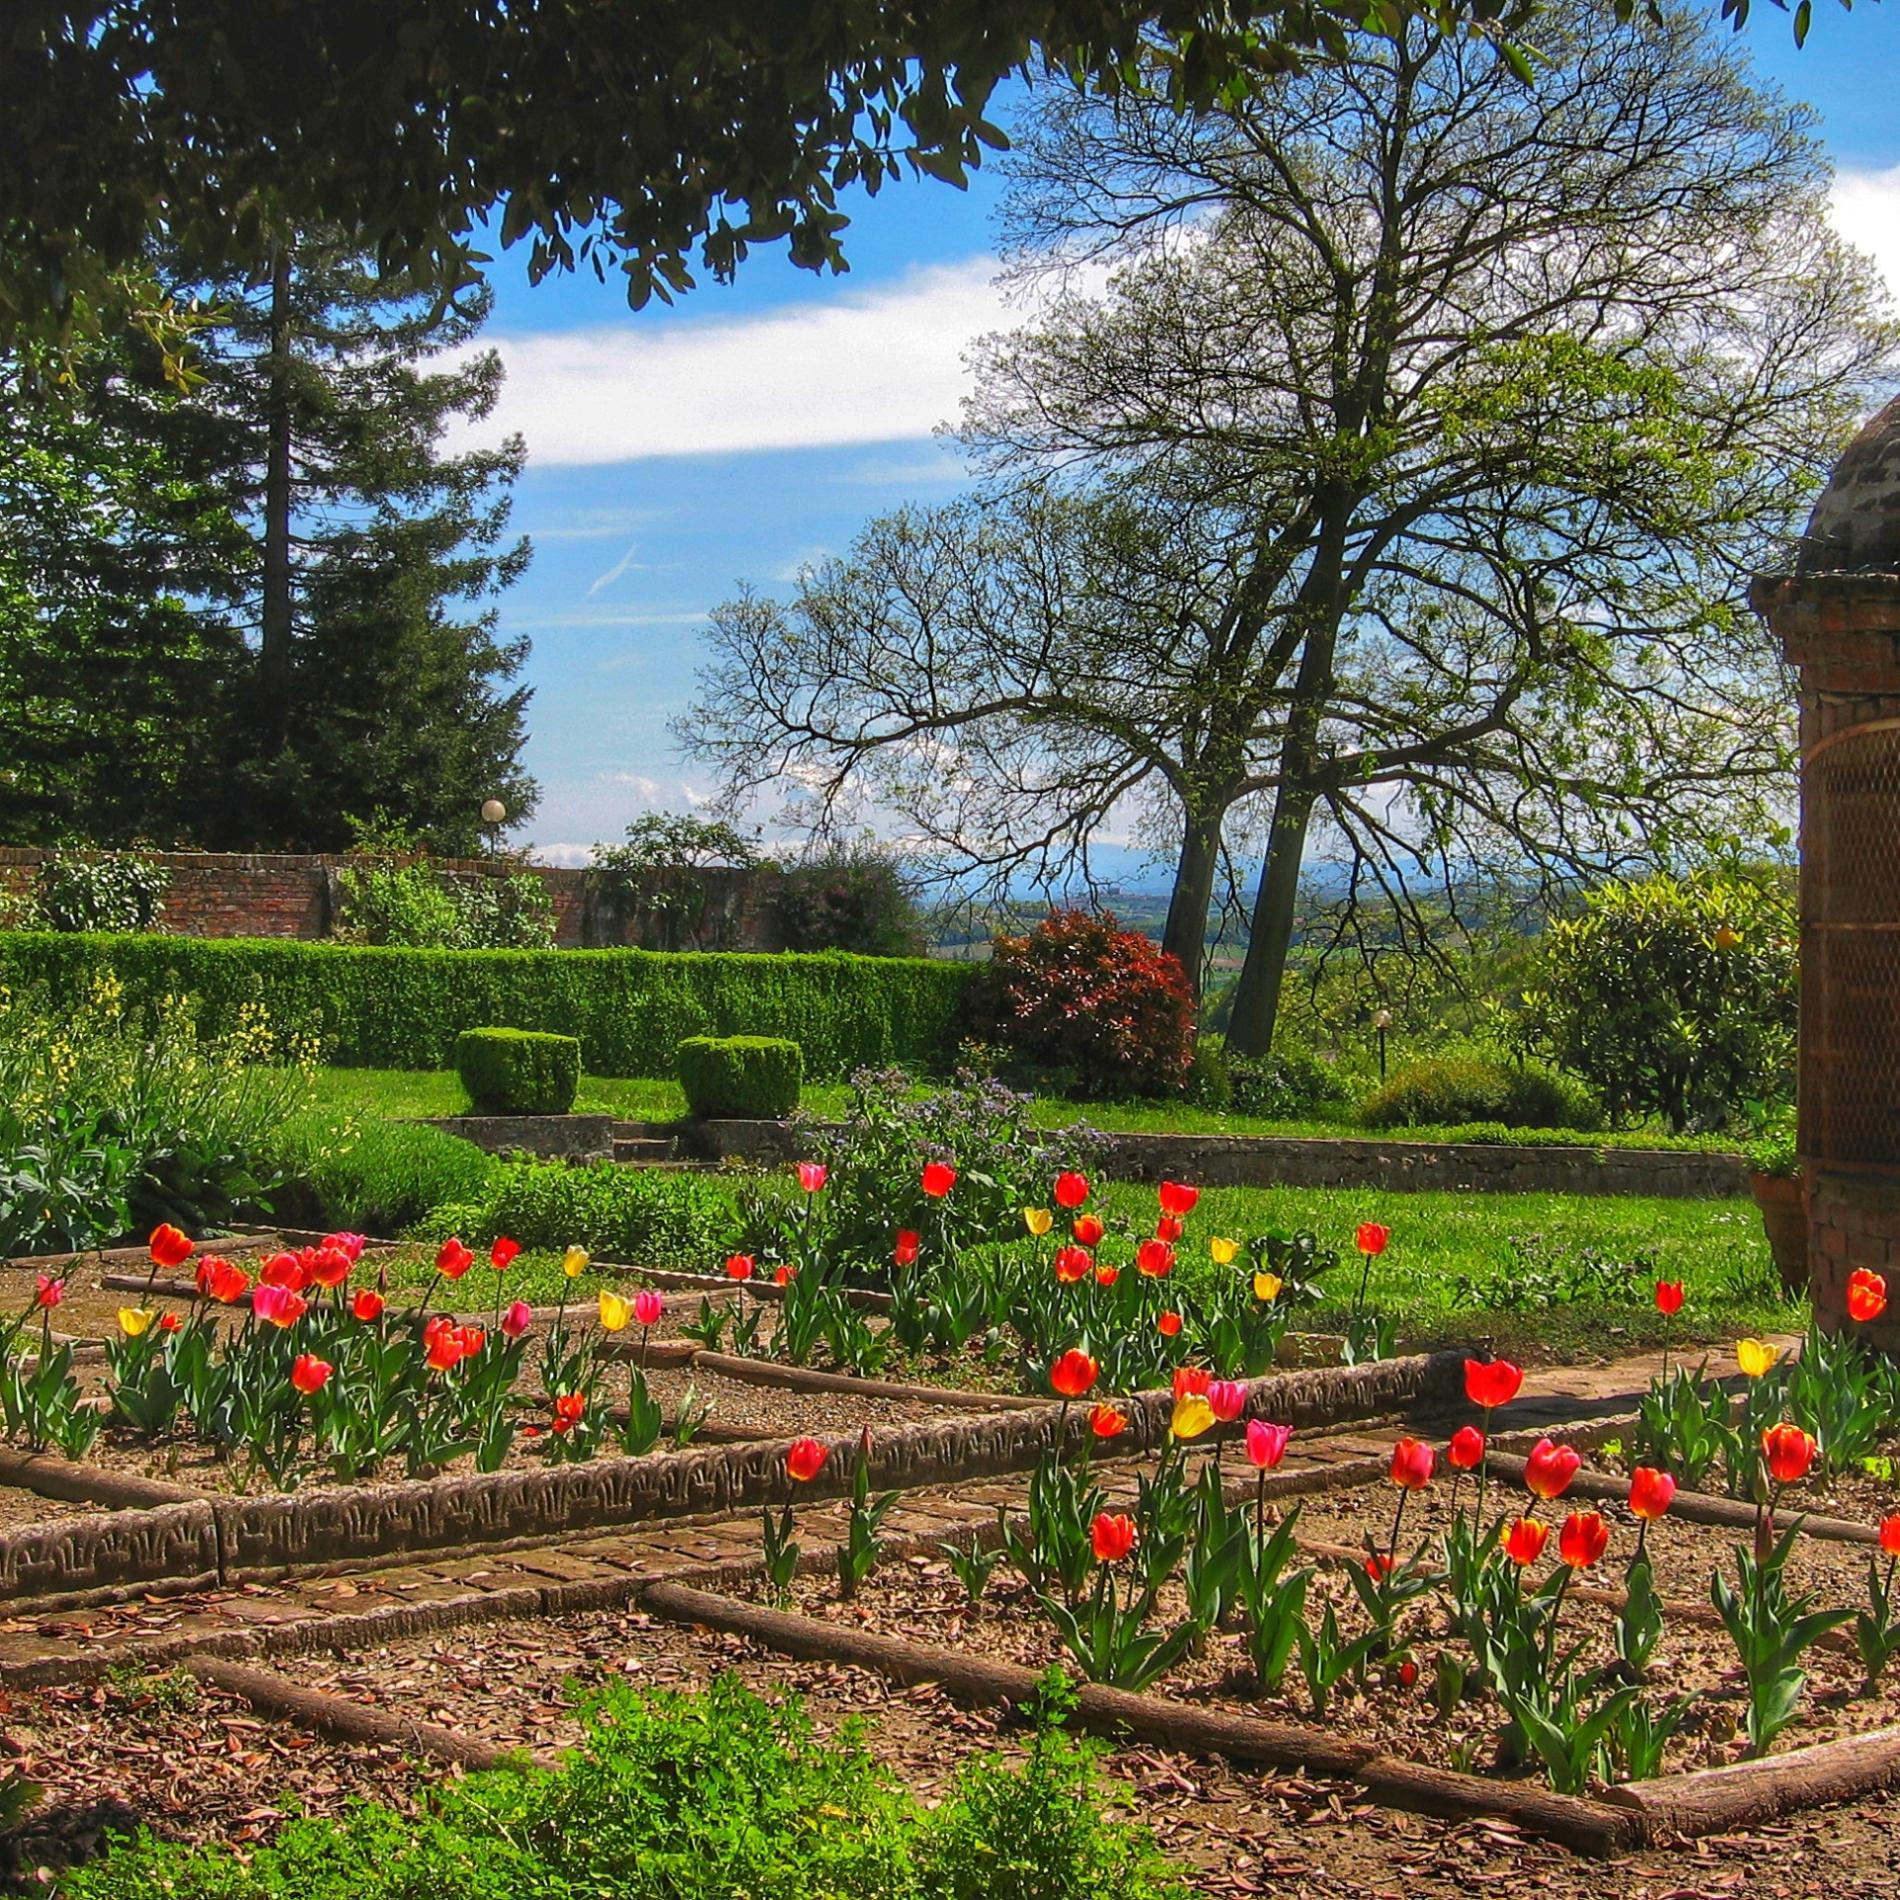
[502, 1252]
[1371, 1237]
[289, 1270]
[1071, 1190]
[785, 1275]
[1168, 1228]
[1266, 1444]
[1651, 1492]
[329, 1266]
[1789, 1451]
[1550, 1468]
[1168, 1324]
[569, 1409]
[1155, 1258]
[351, 1244]
[1583, 1539]
[1107, 1276]
[938, 1179]
[309, 1374]
[1890, 1535]
[367, 1305]
[1072, 1264]
[1466, 1450]
[452, 1259]
[1411, 1467]
[1866, 1295]
[1177, 1198]
[739, 1266]
[1524, 1541]
[1073, 1373]
[805, 1458]
[278, 1305]
[1493, 1384]
[1408, 1674]
[909, 1245]
[1088, 1231]
[1226, 1399]
[221, 1281]
[1106, 1422]
[1669, 1296]
[470, 1340]
[1379, 1566]
[647, 1307]
[442, 1343]
[1189, 1381]
[47, 1292]
[168, 1322]
[168, 1247]
[812, 1175]
[1112, 1538]
[516, 1321]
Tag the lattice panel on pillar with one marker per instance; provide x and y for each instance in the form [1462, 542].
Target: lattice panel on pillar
[1850, 1061]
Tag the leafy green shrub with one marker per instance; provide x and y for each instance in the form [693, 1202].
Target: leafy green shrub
[719, 1795]
[395, 894]
[1288, 1085]
[518, 1071]
[1087, 1008]
[625, 1214]
[755, 1077]
[121, 890]
[1211, 1080]
[375, 1176]
[402, 1009]
[1673, 997]
[1440, 1090]
[849, 897]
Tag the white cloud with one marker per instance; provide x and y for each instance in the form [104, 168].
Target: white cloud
[625, 565]
[1867, 214]
[597, 524]
[876, 365]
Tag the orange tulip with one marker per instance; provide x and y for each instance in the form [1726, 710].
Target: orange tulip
[1789, 1452]
[1890, 1535]
[1372, 1237]
[1073, 1374]
[1088, 1231]
[1112, 1538]
[1524, 1541]
[168, 1247]
[1073, 1264]
[1583, 1539]
[1106, 1422]
[1168, 1324]
[452, 1259]
[1866, 1295]
[1651, 1493]
[1155, 1258]
[805, 1458]
[309, 1374]
[367, 1305]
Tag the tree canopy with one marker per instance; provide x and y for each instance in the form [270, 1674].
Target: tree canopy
[1398, 489]
[640, 136]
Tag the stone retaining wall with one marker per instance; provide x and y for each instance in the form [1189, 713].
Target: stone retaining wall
[1339, 1162]
[552, 1137]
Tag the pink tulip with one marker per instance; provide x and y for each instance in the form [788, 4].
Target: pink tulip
[647, 1308]
[278, 1305]
[812, 1175]
[516, 1321]
[1227, 1399]
[351, 1244]
[1266, 1444]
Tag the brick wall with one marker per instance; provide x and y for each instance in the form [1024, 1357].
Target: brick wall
[264, 894]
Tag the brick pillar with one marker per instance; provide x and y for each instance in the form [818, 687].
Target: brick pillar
[1838, 618]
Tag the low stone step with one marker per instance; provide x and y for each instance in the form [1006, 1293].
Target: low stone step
[645, 1148]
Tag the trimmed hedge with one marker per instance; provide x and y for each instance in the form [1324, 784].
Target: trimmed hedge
[518, 1071]
[402, 1009]
[751, 1077]
[1446, 1090]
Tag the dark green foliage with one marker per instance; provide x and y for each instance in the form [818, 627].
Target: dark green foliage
[1442, 1090]
[718, 1795]
[1673, 996]
[518, 1071]
[124, 891]
[850, 897]
[376, 1176]
[403, 1009]
[741, 1076]
[1288, 1085]
[626, 1214]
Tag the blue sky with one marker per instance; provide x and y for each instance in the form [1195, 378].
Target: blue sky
[751, 427]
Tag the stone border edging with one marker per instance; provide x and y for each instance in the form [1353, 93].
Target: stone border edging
[226, 1541]
[1594, 1827]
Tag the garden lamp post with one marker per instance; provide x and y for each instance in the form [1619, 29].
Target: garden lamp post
[1382, 1021]
[494, 816]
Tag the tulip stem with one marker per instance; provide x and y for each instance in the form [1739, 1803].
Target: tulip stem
[1398, 1518]
[1556, 1605]
[1260, 1508]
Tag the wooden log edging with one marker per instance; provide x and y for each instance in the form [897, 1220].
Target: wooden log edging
[51, 1476]
[266, 1538]
[1748, 1793]
[342, 1720]
[1592, 1827]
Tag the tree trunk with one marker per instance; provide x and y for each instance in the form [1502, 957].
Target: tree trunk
[274, 650]
[1186, 933]
[1257, 998]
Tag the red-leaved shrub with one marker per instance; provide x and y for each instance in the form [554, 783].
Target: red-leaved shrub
[1088, 1007]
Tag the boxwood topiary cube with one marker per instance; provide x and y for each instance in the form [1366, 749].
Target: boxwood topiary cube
[518, 1071]
[751, 1078]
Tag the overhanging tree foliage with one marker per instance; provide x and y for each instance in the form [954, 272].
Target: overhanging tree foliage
[624, 136]
[1401, 485]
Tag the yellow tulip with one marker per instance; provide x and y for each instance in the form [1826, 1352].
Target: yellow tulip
[1728, 937]
[1038, 1220]
[1192, 1416]
[1266, 1287]
[1754, 1356]
[615, 1313]
[1223, 1250]
[133, 1320]
[575, 1262]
